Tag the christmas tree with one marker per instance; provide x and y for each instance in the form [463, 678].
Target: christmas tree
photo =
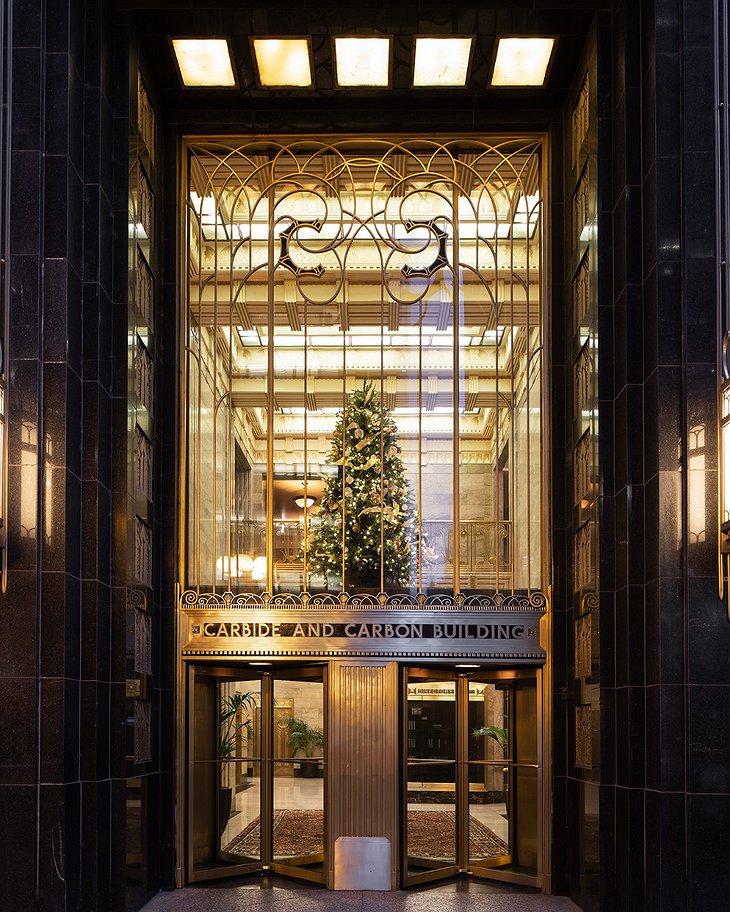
[365, 441]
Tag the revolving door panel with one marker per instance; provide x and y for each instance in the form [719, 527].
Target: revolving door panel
[470, 796]
[255, 772]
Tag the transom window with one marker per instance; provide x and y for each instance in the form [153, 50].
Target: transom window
[364, 366]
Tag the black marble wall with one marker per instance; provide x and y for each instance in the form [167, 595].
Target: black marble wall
[67, 767]
[64, 759]
[665, 638]
[62, 684]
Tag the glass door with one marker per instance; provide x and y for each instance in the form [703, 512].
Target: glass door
[256, 771]
[224, 777]
[490, 775]
[431, 742]
[470, 775]
[296, 773]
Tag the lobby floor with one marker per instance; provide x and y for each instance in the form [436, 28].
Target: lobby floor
[279, 895]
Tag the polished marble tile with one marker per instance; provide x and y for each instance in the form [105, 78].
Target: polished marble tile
[262, 894]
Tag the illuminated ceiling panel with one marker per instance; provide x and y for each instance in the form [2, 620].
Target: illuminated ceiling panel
[362, 62]
[442, 62]
[283, 62]
[522, 61]
[204, 62]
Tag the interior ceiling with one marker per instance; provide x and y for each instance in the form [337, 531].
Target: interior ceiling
[325, 107]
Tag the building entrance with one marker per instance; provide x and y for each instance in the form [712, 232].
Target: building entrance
[470, 774]
[362, 483]
[258, 767]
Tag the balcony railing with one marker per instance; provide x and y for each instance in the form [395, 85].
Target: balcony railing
[485, 551]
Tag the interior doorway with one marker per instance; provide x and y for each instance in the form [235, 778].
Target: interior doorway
[257, 776]
[470, 775]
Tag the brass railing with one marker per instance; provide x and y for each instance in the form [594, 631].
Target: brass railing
[485, 552]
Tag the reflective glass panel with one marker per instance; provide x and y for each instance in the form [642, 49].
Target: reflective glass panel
[364, 346]
[298, 772]
[240, 821]
[431, 785]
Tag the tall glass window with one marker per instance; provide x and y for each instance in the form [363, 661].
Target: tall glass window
[364, 366]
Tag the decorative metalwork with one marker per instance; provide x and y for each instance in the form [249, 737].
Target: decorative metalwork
[498, 601]
[584, 737]
[146, 119]
[581, 291]
[441, 260]
[582, 381]
[483, 546]
[145, 289]
[580, 206]
[315, 266]
[583, 564]
[142, 552]
[581, 119]
[145, 202]
[583, 647]
[143, 369]
[142, 730]
[142, 642]
[582, 469]
[143, 462]
[285, 259]
[136, 598]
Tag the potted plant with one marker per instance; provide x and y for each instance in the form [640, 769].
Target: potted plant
[235, 719]
[501, 736]
[308, 740]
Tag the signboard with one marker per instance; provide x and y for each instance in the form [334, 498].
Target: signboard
[233, 629]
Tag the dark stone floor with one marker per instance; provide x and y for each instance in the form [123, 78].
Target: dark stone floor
[277, 895]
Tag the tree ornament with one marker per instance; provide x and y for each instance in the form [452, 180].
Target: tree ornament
[374, 510]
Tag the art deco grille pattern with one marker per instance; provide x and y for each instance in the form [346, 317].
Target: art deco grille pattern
[143, 278]
[583, 320]
[317, 269]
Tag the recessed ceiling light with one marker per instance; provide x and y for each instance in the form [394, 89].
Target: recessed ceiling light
[204, 61]
[467, 666]
[283, 62]
[522, 61]
[362, 61]
[442, 61]
[260, 663]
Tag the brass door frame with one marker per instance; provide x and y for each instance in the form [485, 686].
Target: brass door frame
[265, 761]
[291, 870]
[225, 673]
[440, 873]
[544, 674]
[493, 869]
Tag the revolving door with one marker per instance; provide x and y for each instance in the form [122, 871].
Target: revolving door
[257, 766]
[470, 775]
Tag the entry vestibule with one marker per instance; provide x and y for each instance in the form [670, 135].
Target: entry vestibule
[276, 779]
[363, 491]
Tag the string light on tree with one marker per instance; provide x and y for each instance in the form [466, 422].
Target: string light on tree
[360, 495]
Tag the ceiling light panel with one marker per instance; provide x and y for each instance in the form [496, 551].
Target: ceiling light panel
[442, 61]
[522, 61]
[362, 62]
[204, 62]
[283, 62]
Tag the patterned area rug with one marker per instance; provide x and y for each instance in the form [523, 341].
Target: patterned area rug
[295, 833]
[431, 834]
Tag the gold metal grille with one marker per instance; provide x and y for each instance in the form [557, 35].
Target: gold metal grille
[316, 267]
